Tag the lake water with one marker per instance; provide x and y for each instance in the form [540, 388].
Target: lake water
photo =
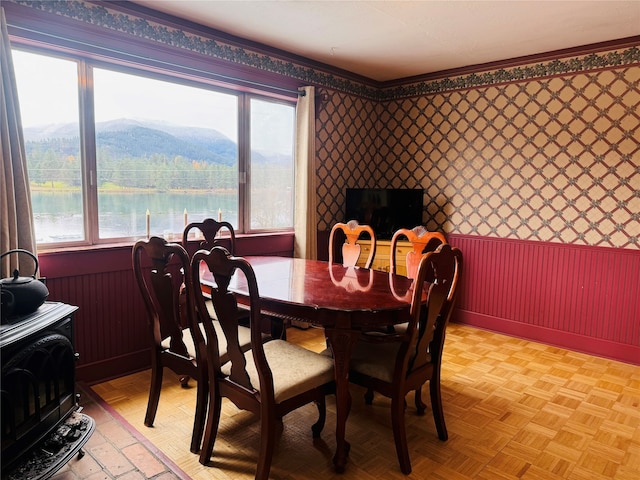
[58, 216]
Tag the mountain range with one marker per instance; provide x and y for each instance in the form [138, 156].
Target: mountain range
[143, 138]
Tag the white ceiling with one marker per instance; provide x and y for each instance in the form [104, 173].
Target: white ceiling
[391, 39]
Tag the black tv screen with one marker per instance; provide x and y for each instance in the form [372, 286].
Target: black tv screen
[385, 209]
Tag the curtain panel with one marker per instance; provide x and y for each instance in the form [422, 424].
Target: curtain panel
[16, 216]
[305, 216]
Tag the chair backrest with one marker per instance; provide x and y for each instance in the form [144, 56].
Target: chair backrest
[223, 266]
[426, 330]
[352, 230]
[422, 241]
[159, 268]
[210, 228]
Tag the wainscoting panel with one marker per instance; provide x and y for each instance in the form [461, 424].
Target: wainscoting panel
[111, 333]
[577, 297]
[111, 323]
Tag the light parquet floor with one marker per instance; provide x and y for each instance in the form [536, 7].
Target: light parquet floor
[514, 410]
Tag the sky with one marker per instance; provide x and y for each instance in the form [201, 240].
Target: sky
[48, 95]
[47, 90]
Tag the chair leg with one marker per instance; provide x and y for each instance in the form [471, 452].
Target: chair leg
[436, 407]
[420, 405]
[211, 428]
[368, 396]
[199, 420]
[317, 427]
[399, 433]
[154, 392]
[267, 445]
[184, 381]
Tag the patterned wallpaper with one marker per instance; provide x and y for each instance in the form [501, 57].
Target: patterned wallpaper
[547, 151]
[347, 151]
[555, 158]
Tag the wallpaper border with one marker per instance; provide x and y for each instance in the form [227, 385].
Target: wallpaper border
[579, 64]
[106, 15]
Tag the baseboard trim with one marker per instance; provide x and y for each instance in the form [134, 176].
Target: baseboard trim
[570, 341]
[113, 367]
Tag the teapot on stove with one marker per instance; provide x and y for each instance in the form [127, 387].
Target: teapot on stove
[21, 295]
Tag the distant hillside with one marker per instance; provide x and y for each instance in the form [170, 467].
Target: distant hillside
[142, 139]
[144, 142]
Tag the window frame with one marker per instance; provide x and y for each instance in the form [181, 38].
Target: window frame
[172, 73]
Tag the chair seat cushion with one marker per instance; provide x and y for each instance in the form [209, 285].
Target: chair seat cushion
[294, 369]
[375, 359]
[244, 337]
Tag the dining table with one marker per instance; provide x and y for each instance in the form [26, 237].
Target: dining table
[345, 301]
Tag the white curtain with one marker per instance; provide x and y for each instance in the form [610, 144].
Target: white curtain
[305, 216]
[16, 216]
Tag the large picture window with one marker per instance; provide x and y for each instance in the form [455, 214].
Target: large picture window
[163, 147]
[154, 152]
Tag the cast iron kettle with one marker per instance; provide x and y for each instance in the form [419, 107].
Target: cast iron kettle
[21, 295]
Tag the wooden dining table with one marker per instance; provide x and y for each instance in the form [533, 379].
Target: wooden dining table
[343, 300]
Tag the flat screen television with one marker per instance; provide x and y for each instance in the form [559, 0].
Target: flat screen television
[385, 209]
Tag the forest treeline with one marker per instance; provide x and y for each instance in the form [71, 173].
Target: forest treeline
[57, 162]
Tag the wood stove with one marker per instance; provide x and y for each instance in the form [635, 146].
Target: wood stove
[38, 380]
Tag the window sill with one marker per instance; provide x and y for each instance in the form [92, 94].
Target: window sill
[91, 259]
[52, 249]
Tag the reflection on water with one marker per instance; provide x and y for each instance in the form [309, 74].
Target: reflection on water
[58, 216]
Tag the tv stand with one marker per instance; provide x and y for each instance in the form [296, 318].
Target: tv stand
[382, 260]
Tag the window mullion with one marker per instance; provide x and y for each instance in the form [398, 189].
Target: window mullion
[244, 171]
[88, 146]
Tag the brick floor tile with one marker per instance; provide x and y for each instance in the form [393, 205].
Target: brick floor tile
[66, 474]
[85, 466]
[95, 411]
[112, 459]
[168, 476]
[95, 439]
[134, 475]
[142, 458]
[117, 434]
[99, 476]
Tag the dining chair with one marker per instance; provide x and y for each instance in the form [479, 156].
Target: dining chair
[176, 341]
[395, 364]
[270, 380]
[210, 229]
[177, 338]
[422, 241]
[350, 249]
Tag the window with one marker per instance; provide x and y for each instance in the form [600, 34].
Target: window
[151, 148]
[272, 195]
[51, 127]
[162, 147]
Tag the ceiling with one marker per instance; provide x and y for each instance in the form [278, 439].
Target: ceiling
[391, 39]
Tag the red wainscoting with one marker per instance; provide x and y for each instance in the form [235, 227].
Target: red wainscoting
[110, 327]
[582, 298]
[585, 299]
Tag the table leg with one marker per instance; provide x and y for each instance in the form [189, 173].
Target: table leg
[277, 328]
[341, 342]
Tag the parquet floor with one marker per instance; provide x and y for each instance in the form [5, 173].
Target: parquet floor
[514, 410]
